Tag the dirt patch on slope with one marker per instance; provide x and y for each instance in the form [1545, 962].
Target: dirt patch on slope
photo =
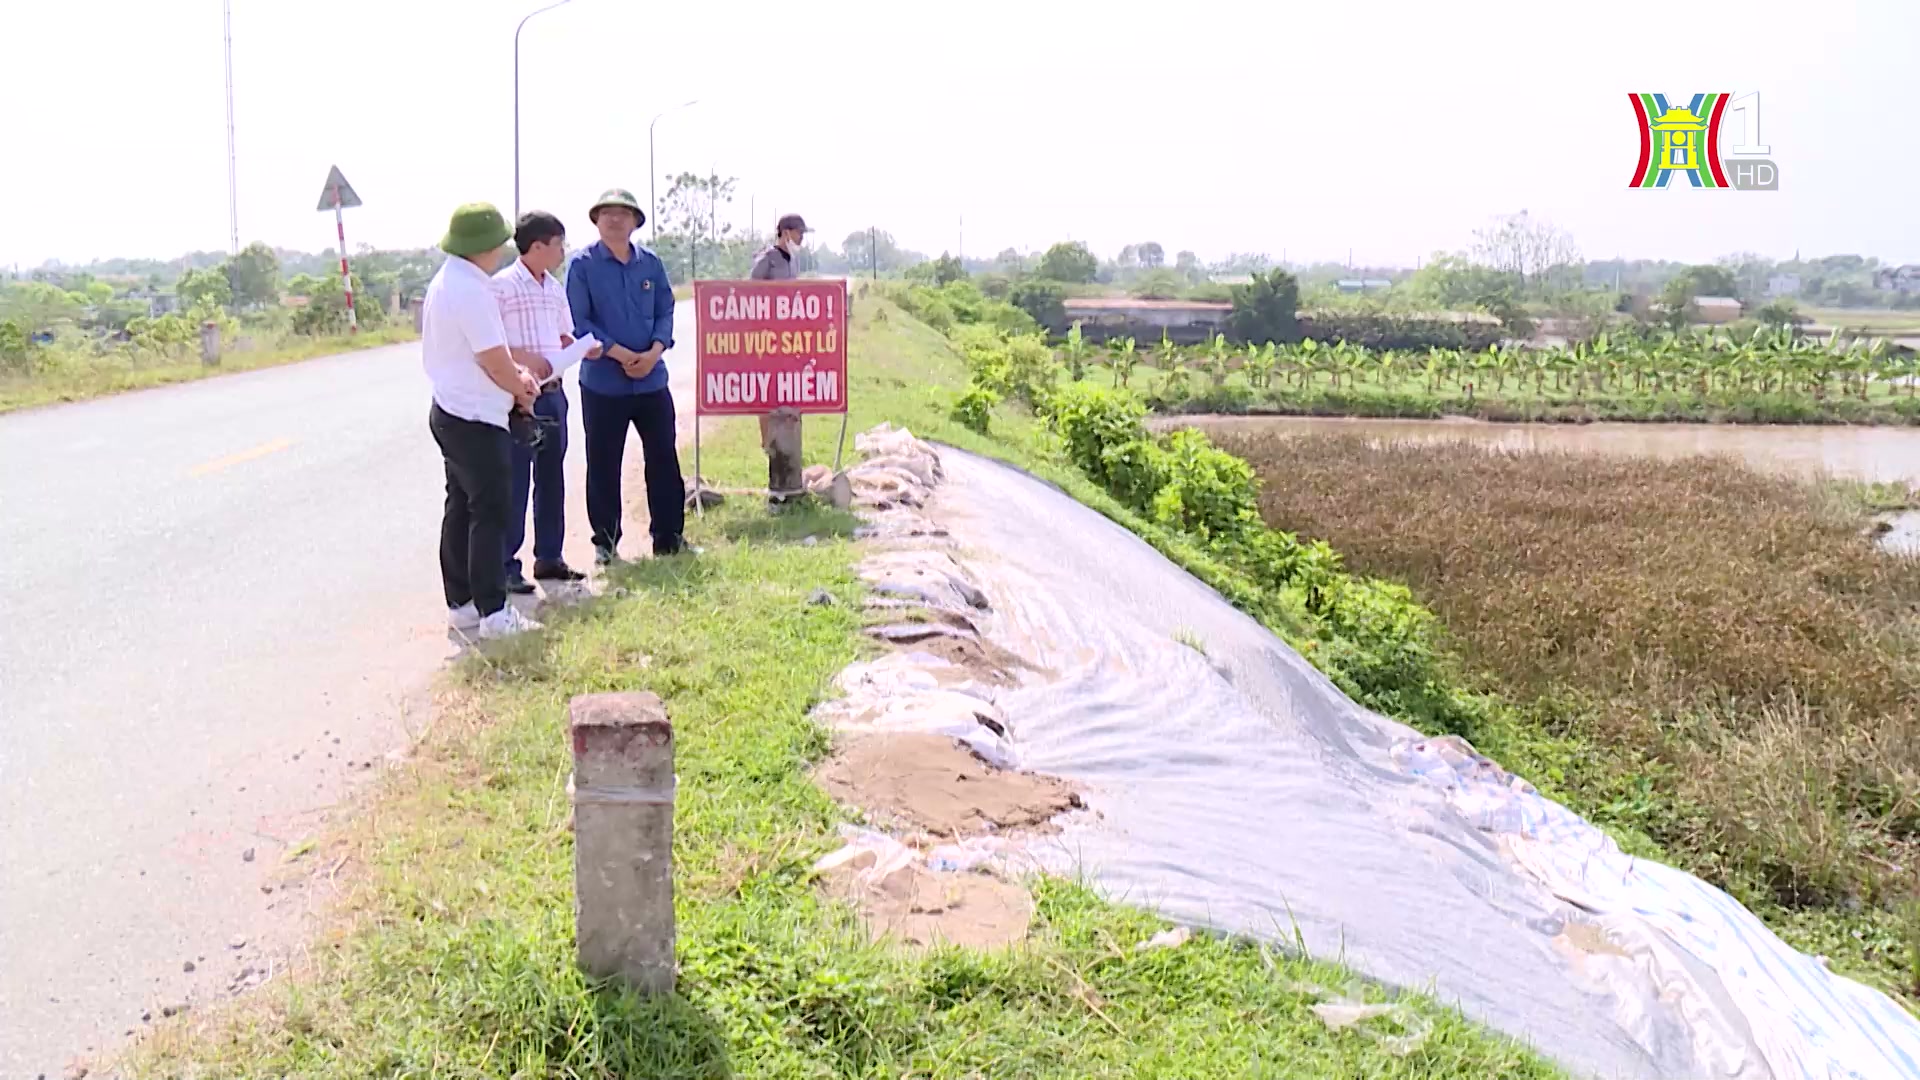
[920, 908]
[935, 784]
[981, 657]
[924, 784]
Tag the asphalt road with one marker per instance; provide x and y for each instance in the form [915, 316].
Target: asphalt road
[219, 607]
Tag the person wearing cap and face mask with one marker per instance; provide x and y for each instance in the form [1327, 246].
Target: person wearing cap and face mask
[476, 384]
[619, 292]
[775, 262]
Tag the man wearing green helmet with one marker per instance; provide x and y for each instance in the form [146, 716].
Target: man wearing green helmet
[476, 384]
[619, 293]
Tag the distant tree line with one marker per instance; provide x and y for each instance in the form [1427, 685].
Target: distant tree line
[1519, 269]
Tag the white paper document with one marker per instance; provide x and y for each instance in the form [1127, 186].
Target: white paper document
[568, 357]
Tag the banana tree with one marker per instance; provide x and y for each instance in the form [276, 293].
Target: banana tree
[1497, 362]
[1308, 357]
[1348, 362]
[1167, 356]
[1387, 368]
[1076, 353]
[1479, 366]
[1260, 363]
[1600, 359]
[1174, 384]
[1438, 363]
[1905, 367]
[1123, 355]
[1217, 361]
[1876, 365]
[1540, 362]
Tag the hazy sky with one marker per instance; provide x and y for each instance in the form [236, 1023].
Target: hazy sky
[1391, 127]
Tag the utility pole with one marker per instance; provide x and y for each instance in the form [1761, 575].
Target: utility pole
[653, 200]
[516, 100]
[873, 252]
[233, 184]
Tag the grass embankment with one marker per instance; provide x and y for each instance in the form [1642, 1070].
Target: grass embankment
[454, 953]
[1712, 658]
[77, 378]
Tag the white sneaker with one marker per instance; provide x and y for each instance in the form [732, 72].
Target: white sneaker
[505, 623]
[464, 617]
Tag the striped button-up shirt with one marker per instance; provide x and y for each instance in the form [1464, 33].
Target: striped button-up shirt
[534, 312]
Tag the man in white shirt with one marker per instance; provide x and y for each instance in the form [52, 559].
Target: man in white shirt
[533, 307]
[476, 383]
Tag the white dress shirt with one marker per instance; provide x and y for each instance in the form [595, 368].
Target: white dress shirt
[461, 321]
[535, 312]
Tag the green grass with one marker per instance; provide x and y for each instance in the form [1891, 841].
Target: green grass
[81, 378]
[1876, 496]
[454, 956]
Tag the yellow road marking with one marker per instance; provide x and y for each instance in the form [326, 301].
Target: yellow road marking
[243, 456]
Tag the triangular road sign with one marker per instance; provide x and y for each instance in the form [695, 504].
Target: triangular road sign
[337, 184]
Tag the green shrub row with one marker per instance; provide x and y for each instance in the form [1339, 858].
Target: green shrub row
[1197, 504]
[1370, 636]
[1376, 638]
[960, 303]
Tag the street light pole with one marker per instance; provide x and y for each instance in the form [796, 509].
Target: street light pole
[516, 100]
[653, 204]
[233, 183]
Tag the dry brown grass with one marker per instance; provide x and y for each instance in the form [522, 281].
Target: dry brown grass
[1737, 627]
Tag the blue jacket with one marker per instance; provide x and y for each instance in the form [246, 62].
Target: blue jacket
[628, 304]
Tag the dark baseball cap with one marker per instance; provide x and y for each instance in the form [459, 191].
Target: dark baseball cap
[791, 221]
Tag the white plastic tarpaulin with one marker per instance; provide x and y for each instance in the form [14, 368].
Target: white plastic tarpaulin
[1234, 787]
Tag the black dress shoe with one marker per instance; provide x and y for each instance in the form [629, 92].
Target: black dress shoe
[557, 570]
[517, 585]
[673, 545]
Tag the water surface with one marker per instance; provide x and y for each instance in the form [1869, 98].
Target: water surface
[1804, 450]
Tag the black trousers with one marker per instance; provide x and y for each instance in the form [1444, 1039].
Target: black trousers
[473, 527]
[604, 419]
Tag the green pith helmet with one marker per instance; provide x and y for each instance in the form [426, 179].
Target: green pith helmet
[617, 197]
[476, 229]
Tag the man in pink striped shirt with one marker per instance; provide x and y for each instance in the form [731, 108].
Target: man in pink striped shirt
[534, 311]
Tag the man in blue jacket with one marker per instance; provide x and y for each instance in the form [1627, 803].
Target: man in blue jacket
[619, 293]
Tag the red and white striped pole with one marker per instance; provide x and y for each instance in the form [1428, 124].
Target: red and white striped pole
[346, 280]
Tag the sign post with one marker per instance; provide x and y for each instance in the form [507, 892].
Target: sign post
[337, 195]
[767, 345]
